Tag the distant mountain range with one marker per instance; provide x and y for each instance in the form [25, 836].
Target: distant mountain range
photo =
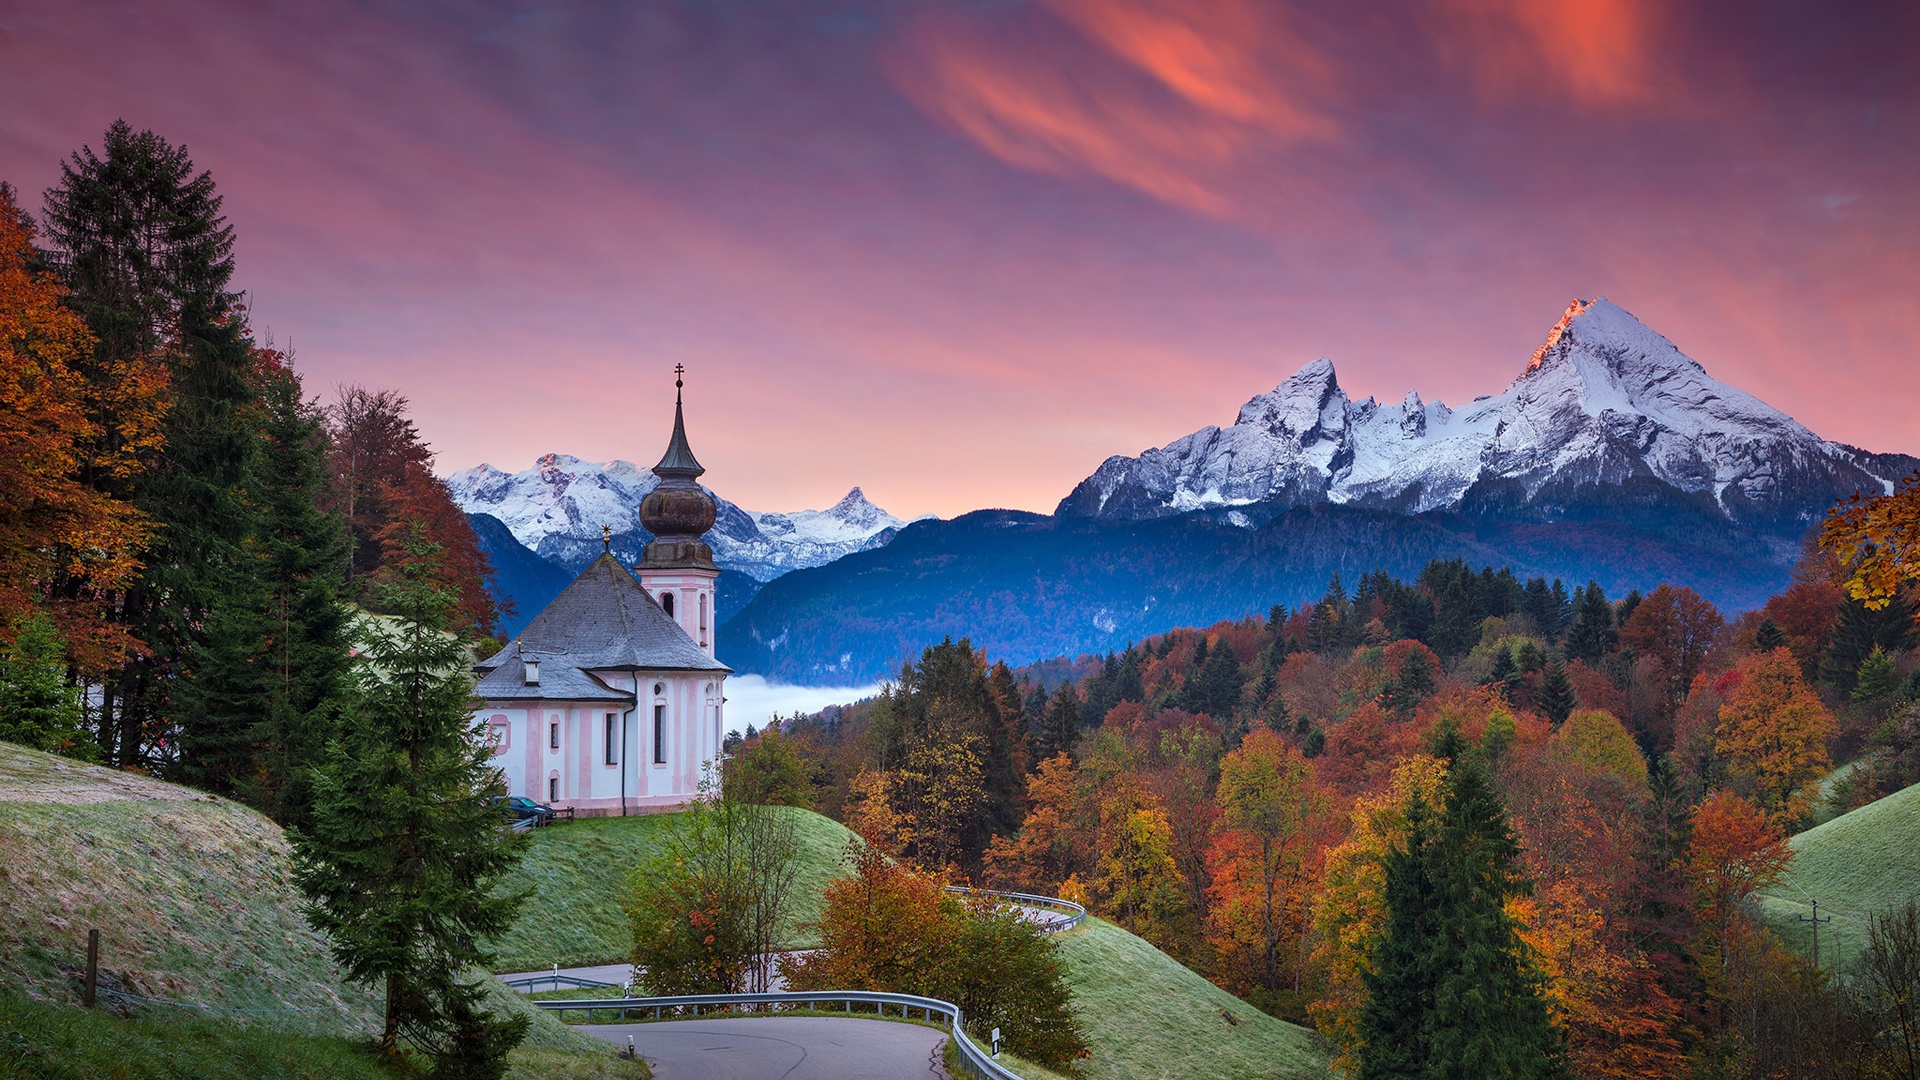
[1612, 456]
[542, 526]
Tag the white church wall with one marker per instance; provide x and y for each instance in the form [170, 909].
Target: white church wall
[576, 773]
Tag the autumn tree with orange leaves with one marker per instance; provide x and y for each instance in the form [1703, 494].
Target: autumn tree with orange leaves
[65, 545]
[1879, 541]
[1734, 850]
[1272, 828]
[1773, 732]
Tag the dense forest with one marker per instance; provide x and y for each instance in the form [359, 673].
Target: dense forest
[1239, 795]
[208, 575]
[181, 519]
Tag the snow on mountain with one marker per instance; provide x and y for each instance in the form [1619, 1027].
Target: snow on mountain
[1604, 400]
[557, 509]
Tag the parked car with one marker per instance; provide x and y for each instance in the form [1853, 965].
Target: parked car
[519, 808]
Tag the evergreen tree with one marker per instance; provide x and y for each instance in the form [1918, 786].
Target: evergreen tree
[1878, 677]
[1455, 625]
[1454, 993]
[1129, 687]
[1769, 636]
[1214, 687]
[148, 259]
[1555, 695]
[1592, 634]
[1035, 707]
[1411, 684]
[1502, 674]
[406, 849]
[1628, 604]
[1539, 605]
[1860, 629]
[37, 706]
[298, 554]
[1061, 725]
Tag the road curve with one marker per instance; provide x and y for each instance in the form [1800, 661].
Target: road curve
[782, 1048]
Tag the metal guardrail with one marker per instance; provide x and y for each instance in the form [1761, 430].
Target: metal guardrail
[1075, 914]
[976, 1062]
[526, 983]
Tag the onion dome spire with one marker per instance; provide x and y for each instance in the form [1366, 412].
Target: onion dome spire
[678, 511]
[678, 461]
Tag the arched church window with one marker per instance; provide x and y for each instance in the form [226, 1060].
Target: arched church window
[659, 724]
[703, 618]
[666, 602]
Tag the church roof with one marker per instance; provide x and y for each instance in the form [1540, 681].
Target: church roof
[605, 619]
[678, 461]
[559, 681]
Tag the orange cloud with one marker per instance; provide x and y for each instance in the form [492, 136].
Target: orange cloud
[1165, 100]
[1223, 58]
[1597, 52]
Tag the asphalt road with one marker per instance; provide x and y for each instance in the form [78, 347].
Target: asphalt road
[783, 1048]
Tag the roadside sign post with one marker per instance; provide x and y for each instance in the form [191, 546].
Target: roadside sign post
[996, 1042]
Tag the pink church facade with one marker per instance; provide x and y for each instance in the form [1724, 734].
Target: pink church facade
[611, 700]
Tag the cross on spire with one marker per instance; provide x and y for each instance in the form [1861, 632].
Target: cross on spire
[606, 536]
[678, 371]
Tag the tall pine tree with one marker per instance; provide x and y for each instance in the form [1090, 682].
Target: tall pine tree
[405, 848]
[148, 260]
[1454, 993]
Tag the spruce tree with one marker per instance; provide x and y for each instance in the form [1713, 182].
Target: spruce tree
[1061, 725]
[1453, 992]
[1501, 675]
[1555, 696]
[1769, 636]
[38, 708]
[298, 556]
[1592, 634]
[148, 258]
[1214, 687]
[406, 849]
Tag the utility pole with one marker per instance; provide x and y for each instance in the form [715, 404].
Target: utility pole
[1816, 920]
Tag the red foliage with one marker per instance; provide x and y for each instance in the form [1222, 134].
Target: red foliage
[1678, 626]
[1363, 749]
[1592, 690]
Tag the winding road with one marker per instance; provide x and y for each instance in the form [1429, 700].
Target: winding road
[782, 1048]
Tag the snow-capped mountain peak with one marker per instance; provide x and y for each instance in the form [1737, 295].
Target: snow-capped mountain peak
[1604, 398]
[557, 508]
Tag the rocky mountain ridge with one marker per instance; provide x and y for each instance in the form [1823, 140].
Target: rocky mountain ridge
[1605, 401]
[557, 507]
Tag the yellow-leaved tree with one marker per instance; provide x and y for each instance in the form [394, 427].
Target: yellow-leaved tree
[1878, 540]
[1773, 732]
[1351, 908]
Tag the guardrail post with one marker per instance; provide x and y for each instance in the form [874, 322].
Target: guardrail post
[93, 967]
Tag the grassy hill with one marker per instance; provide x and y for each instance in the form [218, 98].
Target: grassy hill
[194, 900]
[1147, 1016]
[1858, 864]
[578, 871]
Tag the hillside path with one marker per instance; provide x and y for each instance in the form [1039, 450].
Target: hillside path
[783, 1048]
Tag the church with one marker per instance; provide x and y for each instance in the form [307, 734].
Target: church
[610, 700]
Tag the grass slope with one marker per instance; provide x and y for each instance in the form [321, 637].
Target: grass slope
[578, 871]
[194, 900]
[1145, 1015]
[1856, 865]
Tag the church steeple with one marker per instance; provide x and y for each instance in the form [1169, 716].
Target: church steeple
[678, 462]
[677, 567]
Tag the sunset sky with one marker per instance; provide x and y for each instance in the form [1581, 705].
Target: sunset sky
[960, 253]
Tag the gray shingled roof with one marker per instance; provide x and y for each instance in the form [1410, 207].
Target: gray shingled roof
[606, 620]
[559, 681]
